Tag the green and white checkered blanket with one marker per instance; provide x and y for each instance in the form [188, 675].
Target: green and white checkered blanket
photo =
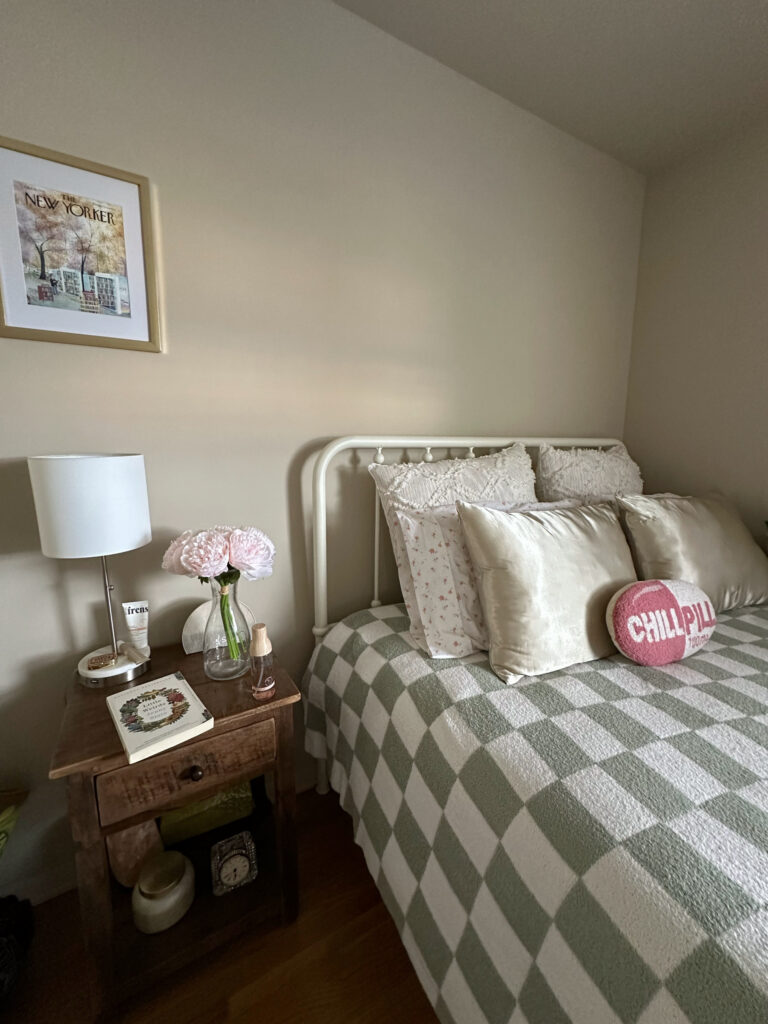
[588, 846]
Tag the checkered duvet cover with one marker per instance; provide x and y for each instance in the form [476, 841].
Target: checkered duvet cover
[587, 846]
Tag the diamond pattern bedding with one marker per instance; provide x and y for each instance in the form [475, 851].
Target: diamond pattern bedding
[587, 846]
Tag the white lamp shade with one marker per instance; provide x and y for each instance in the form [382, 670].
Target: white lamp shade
[90, 505]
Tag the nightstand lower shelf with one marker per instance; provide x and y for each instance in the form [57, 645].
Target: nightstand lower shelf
[210, 922]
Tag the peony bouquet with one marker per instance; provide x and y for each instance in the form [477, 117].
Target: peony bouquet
[224, 554]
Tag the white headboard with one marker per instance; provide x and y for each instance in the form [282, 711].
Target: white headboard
[403, 444]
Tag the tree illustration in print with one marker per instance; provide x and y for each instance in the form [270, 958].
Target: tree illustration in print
[40, 230]
[72, 250]
[82, 244]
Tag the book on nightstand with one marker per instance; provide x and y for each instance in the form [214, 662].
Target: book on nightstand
[152, 717]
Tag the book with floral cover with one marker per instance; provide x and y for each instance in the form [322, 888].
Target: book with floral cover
[152, 717]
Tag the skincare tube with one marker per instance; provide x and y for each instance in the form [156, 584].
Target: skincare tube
[137, 619]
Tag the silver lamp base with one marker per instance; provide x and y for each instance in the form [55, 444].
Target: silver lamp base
[123, 672]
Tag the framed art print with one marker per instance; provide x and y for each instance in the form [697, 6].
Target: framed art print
[76, 251]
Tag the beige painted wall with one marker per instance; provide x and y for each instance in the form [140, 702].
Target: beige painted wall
[352, 238]
[696, 412]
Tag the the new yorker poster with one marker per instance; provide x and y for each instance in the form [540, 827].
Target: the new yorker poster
[72, 251]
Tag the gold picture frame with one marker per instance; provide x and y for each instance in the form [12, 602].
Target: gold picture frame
[77, 251]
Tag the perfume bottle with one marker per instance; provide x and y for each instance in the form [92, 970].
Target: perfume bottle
[262, 678]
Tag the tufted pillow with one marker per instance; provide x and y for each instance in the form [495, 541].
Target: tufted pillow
[702, 540]
[589, 474]
[506, 477]
[545, 581]
[656, 622]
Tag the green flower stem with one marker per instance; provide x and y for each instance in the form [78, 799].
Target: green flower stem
[233, 644]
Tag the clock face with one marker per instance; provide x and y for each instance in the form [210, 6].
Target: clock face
[234, 869]
[233, 863]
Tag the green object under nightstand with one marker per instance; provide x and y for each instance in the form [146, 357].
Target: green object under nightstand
[229, 805]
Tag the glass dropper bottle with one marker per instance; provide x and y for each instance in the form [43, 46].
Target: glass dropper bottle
[262, 678]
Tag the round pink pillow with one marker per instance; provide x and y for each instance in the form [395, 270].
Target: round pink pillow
[655, 622]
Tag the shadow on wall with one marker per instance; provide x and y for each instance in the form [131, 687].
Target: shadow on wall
[131, 572]
[351, 502]
[351, 498]
[30, 716]
[351, 541]
[18, 522]
[29, 723]
[299, 516]
[135, 573]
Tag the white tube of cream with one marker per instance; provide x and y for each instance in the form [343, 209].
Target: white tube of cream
[137, 619]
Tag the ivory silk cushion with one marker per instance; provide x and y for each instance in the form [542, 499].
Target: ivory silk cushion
[506, 478]
[589, 474]
[444, 580]
[656, 622]
[701, 540]
[545, 581]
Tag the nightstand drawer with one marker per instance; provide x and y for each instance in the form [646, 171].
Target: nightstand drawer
[185, 773]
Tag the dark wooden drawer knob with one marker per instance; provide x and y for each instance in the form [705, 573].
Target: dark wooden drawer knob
[196, 773]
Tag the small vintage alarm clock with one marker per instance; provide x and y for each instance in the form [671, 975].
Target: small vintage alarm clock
[233, 863]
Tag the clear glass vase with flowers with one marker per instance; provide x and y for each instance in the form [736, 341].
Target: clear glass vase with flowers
[220, 557]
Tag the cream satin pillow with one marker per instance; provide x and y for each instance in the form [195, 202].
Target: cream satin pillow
[444, 580]
[701, 540]
[545, 582]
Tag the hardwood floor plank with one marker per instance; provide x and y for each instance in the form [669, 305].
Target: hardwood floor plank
[328, 981]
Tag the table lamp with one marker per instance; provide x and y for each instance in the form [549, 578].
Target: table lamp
[92, 506]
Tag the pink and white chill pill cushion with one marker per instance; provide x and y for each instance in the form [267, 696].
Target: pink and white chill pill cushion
[655, 622]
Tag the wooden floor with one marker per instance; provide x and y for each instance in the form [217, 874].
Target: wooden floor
[341, 961]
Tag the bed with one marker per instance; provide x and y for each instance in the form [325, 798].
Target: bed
[589, 845]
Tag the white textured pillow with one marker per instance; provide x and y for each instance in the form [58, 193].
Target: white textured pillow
[588, 474]
[444, 580]
[545, 582]
[506, 477]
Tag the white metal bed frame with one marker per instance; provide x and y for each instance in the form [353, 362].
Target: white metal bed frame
[404, 443]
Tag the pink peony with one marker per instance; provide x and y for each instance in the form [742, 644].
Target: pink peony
[252, 552]
[205, 554]
[171, 561]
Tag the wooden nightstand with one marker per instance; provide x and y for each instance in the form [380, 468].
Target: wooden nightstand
[107, 795]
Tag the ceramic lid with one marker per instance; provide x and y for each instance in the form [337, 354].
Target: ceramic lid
[161, 872]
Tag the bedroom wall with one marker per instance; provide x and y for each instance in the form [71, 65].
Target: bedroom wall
[696, 410]
[352, 238]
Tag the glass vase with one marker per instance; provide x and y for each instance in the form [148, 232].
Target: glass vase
[226, 642]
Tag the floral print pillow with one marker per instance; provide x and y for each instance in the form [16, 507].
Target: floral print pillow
[436, 589]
